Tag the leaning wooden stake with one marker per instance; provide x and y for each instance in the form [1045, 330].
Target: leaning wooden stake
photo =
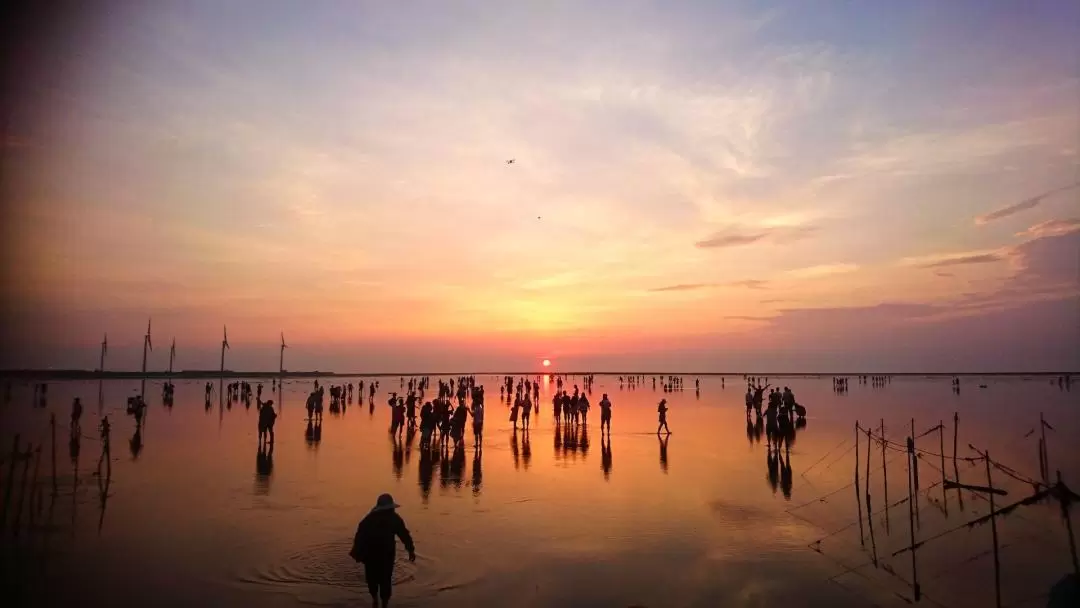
[885, 476]
[858, 496]
[869, 508]
[10, 478]
[911, 518]
[993, 531]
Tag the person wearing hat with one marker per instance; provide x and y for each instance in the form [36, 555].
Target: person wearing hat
[374, 546]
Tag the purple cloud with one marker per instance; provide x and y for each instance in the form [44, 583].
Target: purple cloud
[1023, 205]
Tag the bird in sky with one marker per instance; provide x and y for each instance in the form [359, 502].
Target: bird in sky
[510, 162]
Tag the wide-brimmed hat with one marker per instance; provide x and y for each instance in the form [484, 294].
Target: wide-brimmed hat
[385, 503]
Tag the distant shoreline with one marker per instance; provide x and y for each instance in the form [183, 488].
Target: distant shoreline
[75, 374]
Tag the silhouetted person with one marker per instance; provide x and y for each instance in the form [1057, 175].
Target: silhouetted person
[267, 417]
[605, 414]
[374, 546]
[661, 411]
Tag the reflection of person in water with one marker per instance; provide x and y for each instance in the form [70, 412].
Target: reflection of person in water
[477, 472]
[663, 453]
[374, 546]
[313, 433]
[772, 464]
[427, 472]
[398, 455]
[785, 473]
[264, 460]
[605, 455]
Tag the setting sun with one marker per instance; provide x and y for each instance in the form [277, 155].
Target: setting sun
[547, 363]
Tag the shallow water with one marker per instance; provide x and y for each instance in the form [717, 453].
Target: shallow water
[704, 517]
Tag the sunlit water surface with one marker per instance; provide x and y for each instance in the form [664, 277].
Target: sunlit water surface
[704, 517]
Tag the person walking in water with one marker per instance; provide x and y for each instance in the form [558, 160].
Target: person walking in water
[374, 546]
[661, 410]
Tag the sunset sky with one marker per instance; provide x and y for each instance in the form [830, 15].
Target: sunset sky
[697, 186]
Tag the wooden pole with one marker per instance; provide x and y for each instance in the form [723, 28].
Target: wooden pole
[52, 425]
[1044, 456]
[955, 434]
[915, 473]
[10, 478]
[993, 531]
[1064, 498]
[146, 344]
[911, 518]
[22, 486]
[858, 496]
[944, 492]
[869, 508]
[885, 476]
[35, 499]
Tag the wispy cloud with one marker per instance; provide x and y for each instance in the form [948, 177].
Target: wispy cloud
[735, 237]
[1051, 228]
[1023, 205]
[945, 260]
[683, 287]
[750, 284]
[821, 270]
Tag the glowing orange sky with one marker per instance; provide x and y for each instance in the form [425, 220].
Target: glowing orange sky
[680, 195]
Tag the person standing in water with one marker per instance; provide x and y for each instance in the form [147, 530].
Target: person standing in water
[605, 414]
[374, 546]
[661, 410]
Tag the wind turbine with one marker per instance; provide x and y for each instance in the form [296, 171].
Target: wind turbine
[172, 355]
[224, 345]
[146, 345]
[281, 359]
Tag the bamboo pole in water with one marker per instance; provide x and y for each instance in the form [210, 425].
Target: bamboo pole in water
[944, 492]
[858, 496]
[956, 467]
[911, 519]
[10, 478]
[22, 487]
[35, 499]
[915, 473]
[52, 425]
[1064, 498]
[1044, 455]
[993, 530]
[869, 508]
[885, 476]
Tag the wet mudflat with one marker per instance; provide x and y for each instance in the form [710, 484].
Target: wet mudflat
[194, 513]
